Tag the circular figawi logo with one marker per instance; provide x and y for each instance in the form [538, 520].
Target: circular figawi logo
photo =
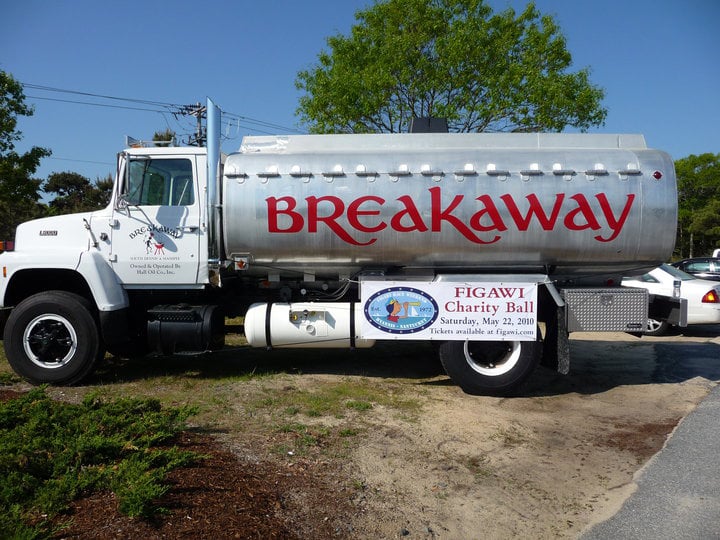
[401, 310]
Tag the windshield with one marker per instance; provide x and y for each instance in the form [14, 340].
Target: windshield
[676, 273]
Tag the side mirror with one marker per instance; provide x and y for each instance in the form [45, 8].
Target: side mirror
[121, 182]
[130, 185]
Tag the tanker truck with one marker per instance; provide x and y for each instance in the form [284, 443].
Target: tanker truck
[494, 246]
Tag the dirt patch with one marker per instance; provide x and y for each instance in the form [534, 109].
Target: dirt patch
[224, 497]
[642, 440]
[6, 394]
[528, 467]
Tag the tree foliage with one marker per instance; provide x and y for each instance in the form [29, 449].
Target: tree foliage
[698, 205]
[75, 193]
[456, 59]
[19, 192]
[164, 136]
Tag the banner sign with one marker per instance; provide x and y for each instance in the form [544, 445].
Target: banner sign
[444, 310]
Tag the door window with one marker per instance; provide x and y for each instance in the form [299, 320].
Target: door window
[701, 266]
[160, 182]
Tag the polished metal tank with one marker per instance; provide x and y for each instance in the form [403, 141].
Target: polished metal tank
[335, 205]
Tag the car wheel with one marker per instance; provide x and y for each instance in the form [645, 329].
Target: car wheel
[656, 328]
[52, 338]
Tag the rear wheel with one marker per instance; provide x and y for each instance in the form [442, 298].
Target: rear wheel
[656, 328]
[52, 337]
[494, 368]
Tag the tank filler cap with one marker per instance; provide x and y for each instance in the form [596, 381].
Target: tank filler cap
[402, 170]
[492, 170]
[337, 170]
[296, 171]
[534, 170]
[362, 171]
[559, 170]
[632, 169]
[234, 172]
[271, 171]
[467, 170]
[598, 170]
[427, 170]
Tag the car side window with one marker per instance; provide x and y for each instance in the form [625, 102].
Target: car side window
[698, 266]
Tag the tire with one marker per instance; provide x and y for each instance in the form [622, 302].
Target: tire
[656, 328]
[52, 338]
[491, 368]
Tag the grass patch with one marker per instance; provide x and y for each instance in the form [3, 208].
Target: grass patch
[335, 400]
[510, 436]
[479, 465]
[358, 405]
[52, 453]
[301, 438]
[6, 379]
[326, 419]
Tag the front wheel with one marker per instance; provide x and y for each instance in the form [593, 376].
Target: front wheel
[52, 337]
[495, 368]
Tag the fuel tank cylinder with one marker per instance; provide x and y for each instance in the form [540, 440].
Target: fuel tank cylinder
[329, 205]
[309, 324]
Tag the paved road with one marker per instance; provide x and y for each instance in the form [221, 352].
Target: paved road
[678, 495]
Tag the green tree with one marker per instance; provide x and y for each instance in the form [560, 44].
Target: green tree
[164, 136]
[100, 196]
[698, 205]
[456, 59]
[19, 192]
[75, 193]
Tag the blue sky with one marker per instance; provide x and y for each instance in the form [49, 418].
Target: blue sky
[658, 61]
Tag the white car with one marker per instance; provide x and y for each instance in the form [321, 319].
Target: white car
[702, 295]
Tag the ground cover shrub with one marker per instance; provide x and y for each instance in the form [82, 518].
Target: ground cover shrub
[53, 452]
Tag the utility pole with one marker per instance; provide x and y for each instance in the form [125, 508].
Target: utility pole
[199, 111]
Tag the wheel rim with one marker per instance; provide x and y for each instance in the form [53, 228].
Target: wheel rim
[50, 341]
[492, 358]
[653, 325]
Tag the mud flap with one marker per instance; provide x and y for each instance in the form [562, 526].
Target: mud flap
[669, 309]
[556, 346]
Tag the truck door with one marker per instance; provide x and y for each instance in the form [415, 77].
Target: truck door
[156, 222]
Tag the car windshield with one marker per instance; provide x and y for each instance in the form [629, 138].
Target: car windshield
[676, 273]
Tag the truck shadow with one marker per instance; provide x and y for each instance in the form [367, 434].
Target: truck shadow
[406, 360]
[600, 365]
[597, 365]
